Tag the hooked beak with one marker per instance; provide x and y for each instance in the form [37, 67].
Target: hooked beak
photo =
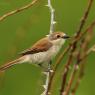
[66, 37]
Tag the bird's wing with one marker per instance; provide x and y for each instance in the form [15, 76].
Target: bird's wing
[40, 46]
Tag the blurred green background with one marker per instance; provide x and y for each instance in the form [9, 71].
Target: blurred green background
[20, 31]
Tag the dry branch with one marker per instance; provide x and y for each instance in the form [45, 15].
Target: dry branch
[18, 10]
[74, 40]
[52, 22]
[74, 45]
[56, 67]
[81, 73]
[84, 46]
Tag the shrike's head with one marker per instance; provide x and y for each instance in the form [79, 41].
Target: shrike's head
[58, 38]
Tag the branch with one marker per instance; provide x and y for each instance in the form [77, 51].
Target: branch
[73, 45]
[93, 48]
[80, 59]
[46, 84]
[52, 16]
[48, 74]
[56, 67]
[83, 20]
[61, 56]
[18, 10]
[81, 73]
[78, 80]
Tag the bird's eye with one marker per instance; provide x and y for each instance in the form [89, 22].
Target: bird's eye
[58, 36]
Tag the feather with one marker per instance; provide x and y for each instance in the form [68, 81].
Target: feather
[40, 46]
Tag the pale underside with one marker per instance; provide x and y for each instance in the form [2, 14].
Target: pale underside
[41, 56]
[44, 56]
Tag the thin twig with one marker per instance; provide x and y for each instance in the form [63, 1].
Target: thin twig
[84, 46]
[61, 56]
[18, 10]
[81, 57]
[48, 74]
[90, 28]
[78, 80]
[81, 73]
[65, 72]
[46, 84]
[88, 52]
[52, 22]
[93, 48]
[83, 20]
[56, 67]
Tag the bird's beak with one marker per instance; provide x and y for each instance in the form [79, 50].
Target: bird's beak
[66, 37]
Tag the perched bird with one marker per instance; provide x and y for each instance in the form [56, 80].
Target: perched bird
[42, 51]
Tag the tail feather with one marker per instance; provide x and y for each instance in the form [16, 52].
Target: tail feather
[10, 64]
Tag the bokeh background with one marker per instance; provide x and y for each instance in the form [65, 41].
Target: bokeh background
[20, 31]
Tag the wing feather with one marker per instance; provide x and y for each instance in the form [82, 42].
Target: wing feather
[40, 46]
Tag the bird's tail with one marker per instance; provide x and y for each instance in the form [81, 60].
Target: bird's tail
[10, 64]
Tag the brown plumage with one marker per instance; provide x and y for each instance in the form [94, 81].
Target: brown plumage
[41, 51]
[11, 63]
[41, 46]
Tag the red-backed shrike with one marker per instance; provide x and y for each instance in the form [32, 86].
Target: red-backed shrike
[42, 51]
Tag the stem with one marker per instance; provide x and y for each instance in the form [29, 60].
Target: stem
[18, 10]
[52, 22]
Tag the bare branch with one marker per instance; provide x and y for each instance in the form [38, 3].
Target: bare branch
[61, 56]
[84, 54]
[46, 86]
[59, 59]
[88, 52]
[78, 80]
[81, 73]
[52, 16]
[73, 45]
[80, 58]
[56, 67]
[93, 48]
[18, 10]
[83, 20]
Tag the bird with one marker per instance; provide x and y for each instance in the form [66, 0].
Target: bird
[42, 51]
